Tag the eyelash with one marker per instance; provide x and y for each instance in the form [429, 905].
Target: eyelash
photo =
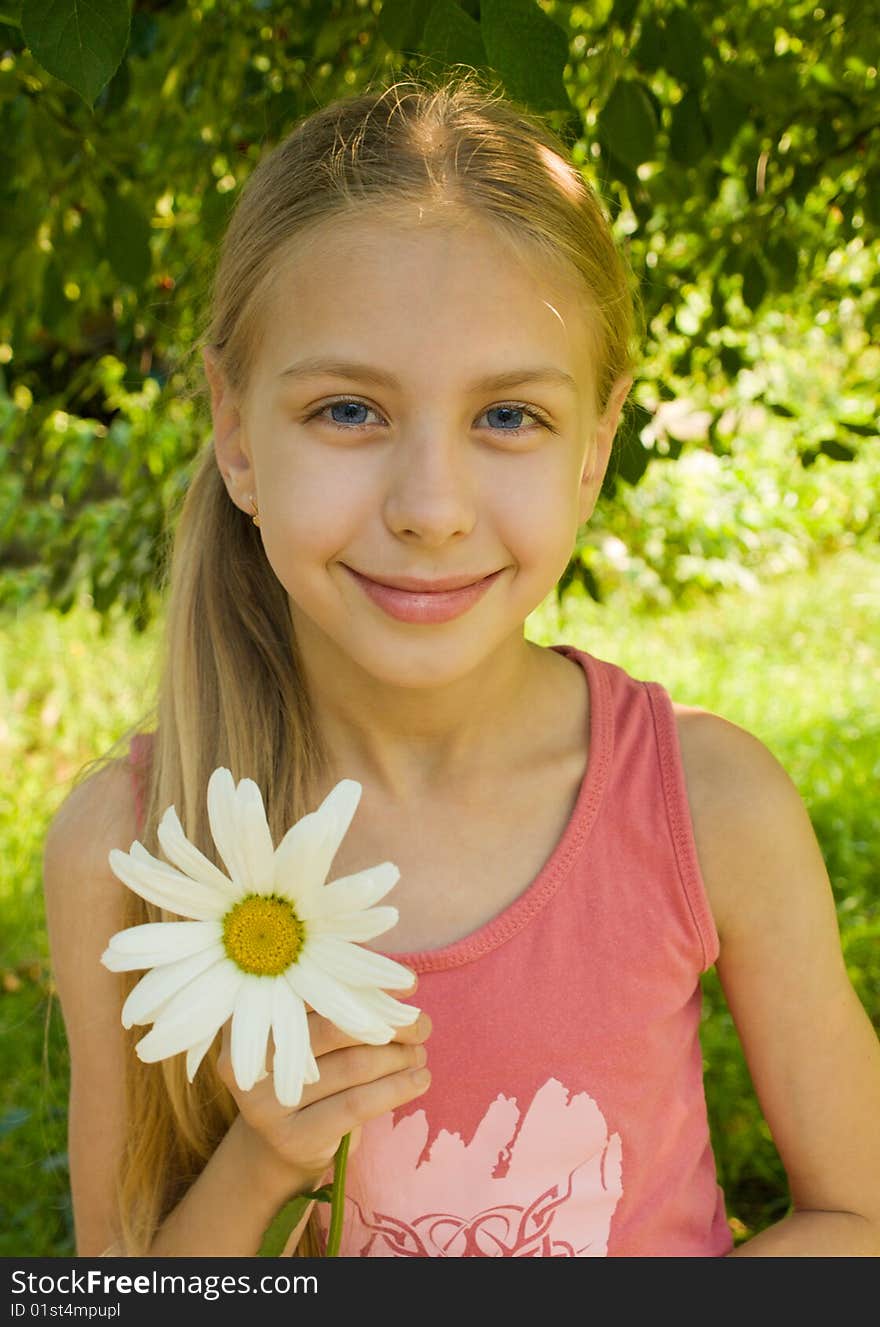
[539, 417]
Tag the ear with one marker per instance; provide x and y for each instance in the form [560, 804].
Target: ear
[230, 447]
[599, 448]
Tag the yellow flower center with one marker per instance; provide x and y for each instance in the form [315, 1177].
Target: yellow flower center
[263, 934]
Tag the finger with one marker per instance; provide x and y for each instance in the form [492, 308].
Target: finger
[344, 1111]
[356, 1065]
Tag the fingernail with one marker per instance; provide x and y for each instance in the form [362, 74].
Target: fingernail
[422, 1077]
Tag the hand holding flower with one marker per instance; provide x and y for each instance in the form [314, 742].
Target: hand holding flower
[272, 956]
[357, 1083]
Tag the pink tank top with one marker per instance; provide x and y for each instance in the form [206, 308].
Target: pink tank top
[566, 1115]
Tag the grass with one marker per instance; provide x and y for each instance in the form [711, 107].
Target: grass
[796, 663]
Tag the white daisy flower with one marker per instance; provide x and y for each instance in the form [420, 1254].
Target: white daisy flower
[264, 941]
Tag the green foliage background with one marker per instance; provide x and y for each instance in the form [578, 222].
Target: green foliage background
[737, 149]
[735, 544]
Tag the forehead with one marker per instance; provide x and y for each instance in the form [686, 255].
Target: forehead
[403, 287]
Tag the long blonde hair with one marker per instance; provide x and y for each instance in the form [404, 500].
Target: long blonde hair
[230, 690]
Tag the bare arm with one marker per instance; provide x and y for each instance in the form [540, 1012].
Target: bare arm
[269, 1154]
[812, 1052]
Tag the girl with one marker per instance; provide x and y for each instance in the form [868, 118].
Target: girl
[420, 346]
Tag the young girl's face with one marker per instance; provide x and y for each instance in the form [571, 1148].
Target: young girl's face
[415, 464]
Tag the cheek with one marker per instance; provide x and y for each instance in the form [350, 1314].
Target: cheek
[309, 508]
[538, 517]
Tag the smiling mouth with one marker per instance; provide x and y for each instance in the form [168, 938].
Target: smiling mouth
[421, 607]
[415, 585]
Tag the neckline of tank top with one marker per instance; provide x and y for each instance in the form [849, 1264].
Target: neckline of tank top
[507, 923]
[512, 919]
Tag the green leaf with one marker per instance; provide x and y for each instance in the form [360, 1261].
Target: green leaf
[754, 283]
[648, 50]
[127, 236]
[582, 574]
[864, 428]
[806, 175]
[826, 138]
[838, 451]
[632, 454]
[822, 75]
[783, 259]
[452, 36]
[871, 197]
[622, 13]
[10, 13]
[732, 360]
[115, 94]
[627, 122]
[528, 50]
[683, 49]
[144, 34]
[53, 304]
[81, 42]
[688, 140]
[279, 1228]
[726, 113]
[402, 23]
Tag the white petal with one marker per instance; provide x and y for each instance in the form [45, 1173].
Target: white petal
[156, 989]
[159, 883]
[157, 943]
[290, 1033]
[304, 855]
[356, 966]
[336, 1002]
[187, 857]
[255, 838]
[200, 1009]
[392, 1011]
[251, 1020]
[312, 1073]
[341, 802]
[351, 893]
[196, 1054]
[225, 829]
[357, 926]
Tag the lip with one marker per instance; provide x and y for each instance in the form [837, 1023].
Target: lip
[424, 602]
[418, 586]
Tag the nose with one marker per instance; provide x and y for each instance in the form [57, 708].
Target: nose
[432, 488]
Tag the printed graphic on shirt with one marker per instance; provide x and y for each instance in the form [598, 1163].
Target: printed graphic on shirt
[543, 1184]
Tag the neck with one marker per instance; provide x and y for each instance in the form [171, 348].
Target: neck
[410, 741]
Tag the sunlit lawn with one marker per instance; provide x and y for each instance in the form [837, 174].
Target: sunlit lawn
[798, 664]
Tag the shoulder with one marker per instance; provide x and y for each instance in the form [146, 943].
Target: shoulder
[96, 815]
[750, 824]
[83, 898]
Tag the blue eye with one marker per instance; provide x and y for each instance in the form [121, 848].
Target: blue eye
[508, 410]
[350, 403]
[347, 405]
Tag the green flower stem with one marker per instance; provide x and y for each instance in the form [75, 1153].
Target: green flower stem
[337, 1199]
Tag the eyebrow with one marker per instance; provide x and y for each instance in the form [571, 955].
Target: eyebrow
[307, 368]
